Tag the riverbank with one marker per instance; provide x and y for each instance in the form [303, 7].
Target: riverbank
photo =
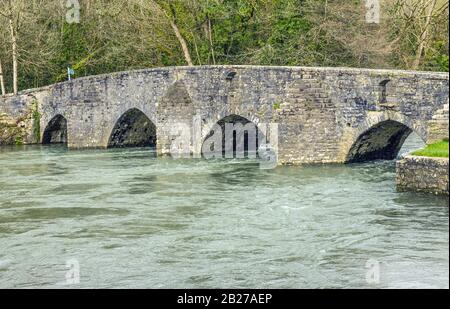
[435, 150]
[424, 173]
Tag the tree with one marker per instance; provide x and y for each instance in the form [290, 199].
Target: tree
[2, 80]
[12, 13]
[420, 29]
[171, 16]
[117, 35]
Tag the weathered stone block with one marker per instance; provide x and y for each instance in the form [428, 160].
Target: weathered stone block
[423, 174]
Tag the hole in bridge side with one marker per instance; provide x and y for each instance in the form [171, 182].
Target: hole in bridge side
[381, 142]
[133, 129]
[56, 131]
[233, 137]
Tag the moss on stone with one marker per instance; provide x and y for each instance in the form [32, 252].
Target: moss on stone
[11, 131]
[276, 105]
[36, 122]
[18, 141]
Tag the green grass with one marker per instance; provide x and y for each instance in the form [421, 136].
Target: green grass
[439, 150]
[276, 105]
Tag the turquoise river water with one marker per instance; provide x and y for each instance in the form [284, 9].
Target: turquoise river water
[126, 219]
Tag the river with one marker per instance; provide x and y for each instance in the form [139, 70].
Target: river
[124, 218]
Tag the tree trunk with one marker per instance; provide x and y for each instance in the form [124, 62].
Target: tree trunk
[187, 55]
[181, 40]
[424, 36]
[14, 54]
[211, 41]
[2, 80]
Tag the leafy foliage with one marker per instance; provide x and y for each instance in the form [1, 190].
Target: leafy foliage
[117, 35]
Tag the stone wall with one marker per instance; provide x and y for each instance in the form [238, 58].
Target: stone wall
[12, 130]
[324, 115]
[20, 117]
[438, 126]
[423, 174]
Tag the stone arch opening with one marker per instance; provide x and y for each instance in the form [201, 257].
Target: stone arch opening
[412, 142]
[56, 131]
[383, 141]
[133, 129]
[231, 137]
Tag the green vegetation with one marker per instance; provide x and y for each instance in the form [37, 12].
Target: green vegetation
[10, 133]
[276, 105]
[36, 122]
[18, 141]
[439, 149]
[118, 35]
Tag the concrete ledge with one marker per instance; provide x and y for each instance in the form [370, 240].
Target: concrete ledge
[423, 174]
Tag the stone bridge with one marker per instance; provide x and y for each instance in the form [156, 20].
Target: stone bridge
[324, 115]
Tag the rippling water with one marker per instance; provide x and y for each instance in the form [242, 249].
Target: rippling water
[132, 220]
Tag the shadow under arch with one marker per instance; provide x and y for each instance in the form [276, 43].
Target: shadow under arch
[133, 129]
[382, 141]
[56, 131]
[233, 136]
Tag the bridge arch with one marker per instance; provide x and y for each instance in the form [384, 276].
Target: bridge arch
[56, 131]
[382, 137]
[233, 136]
[133, 129]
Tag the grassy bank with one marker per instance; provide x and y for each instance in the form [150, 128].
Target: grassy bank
[438, 149]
